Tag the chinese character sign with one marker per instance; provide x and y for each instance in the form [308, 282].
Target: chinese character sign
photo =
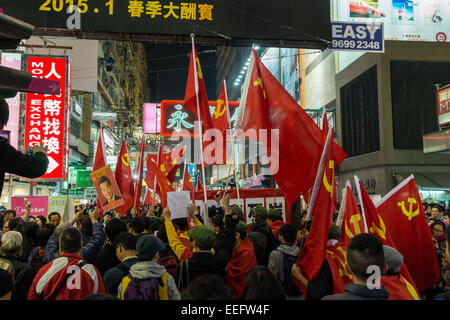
[45, 121]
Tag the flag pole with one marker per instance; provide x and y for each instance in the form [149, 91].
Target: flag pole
[232, 143]
[200, 127]
[157, 163]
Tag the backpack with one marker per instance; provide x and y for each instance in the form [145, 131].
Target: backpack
[142, 289]
[290, 288]
[36, 260]
[170, 262]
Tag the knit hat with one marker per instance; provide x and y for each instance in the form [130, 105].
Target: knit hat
[148, 246]
[393, 258]
[237, 211]
[334, 232]
[204, 236]
[275, 212]
[260, 211]
[241, 227]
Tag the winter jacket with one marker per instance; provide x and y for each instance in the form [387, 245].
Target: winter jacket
[89, 250]
[24, 165]
[264, 242]
[23, 277]
[53, 276]
[149, 270]
[358, 292]
[106, 258]
[113, 277]
[276, 259]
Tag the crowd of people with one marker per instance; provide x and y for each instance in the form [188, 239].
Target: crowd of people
[154, 257]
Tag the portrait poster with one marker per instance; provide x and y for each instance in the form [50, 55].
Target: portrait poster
[107, 189]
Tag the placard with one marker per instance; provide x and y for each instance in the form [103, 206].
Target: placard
[108, 191]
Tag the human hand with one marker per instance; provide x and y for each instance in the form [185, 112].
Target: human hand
[226, 202]
[27, 205]
[40, 148]
[296, 272]
[94, 215]
[217, 198]
[192, 210]
[166, 213]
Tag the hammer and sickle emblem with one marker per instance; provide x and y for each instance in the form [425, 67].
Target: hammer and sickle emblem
[199, 69]
[126, 159]
[354, 220]
[260, 83]
[329, 186]
[410, 214]
[219, 111]
[380, 231]
[163, 168]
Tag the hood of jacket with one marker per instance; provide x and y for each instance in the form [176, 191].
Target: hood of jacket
[147, 269]
[291, 250]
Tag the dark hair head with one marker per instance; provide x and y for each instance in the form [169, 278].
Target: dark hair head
[86, 226]
[4, 112]
[52, 214]
[217, 220]
[139, 224]
[154, 224]
[363, 251]
[9, 212]
[288, 232]
[42, 218]
[114, 227]
[162, 233]
[70, 240]
[126, 240]
[207, 287]
[44, 233]
[212, 211]
[103, 180]
[16, 224]
[180, 223]
[261, 284]
[30, 231]
[438, 222]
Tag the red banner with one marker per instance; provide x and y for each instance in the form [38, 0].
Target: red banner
[47, 116]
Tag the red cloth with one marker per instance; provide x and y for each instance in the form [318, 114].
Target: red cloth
[336, 258]
[187, 183]
[269, 106]
[221, 121]
[410, 233]
[377, 227]
[190, 98]
[338, 282]
[124, 179]
[312, 254]
[163, 183]
[398, 288]
[275, 226]
[242, 261]
[150, 178]
[352, 222]
[140, 172]
[52, 274]
[99, 162]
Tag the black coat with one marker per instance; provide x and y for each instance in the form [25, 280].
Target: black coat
[15, 162]
[23, 278]
[106, 259]
[264, 242]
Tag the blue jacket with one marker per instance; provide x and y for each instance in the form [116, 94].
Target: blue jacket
[113, 277]
[89, 250]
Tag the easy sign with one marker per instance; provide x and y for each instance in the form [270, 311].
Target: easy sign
[354, 36]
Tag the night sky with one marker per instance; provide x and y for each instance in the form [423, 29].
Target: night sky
[168, 84]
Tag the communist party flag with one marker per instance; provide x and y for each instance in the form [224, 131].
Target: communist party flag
[195, 87]
[406, 222]
[163, 183]
[150, 198]
[265, 104]
[124, 178]
[171, 162]
[140, 172]
[150, 178]
[352, 221]
[312, 254]
[99, 162]
[376, 226]
[187, 182]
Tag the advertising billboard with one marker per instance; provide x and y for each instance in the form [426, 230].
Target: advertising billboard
[443, 106]
[152, 118]
[47, 116]
[409, 20]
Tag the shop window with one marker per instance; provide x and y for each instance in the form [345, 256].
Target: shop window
[359, 107]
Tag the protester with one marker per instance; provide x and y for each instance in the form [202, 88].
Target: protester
[15, 162]
[168, 258]
[275, 221]
[106, 258]
[242, 261]
[446, 271]
[262, 235]
[364, 254]
[36, 258]
[261, 284]
[125, 251]
[155, 224]
[6, 285]
[54, 218]
[139, 226]
[53, 281]
[439, 239]
[147, 279]
[208, 287]
[436, 214]
[283, 258]
[29, 238]
[11, 248]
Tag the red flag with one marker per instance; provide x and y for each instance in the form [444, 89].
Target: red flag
[187, 182]
[163, 183]
[406, 222]
[221, 115]
[312, 254]
[171, 162]
[99, 162]
[124, 178]
[324, 120]
[150, 198]
[140, 172]
[376, 225]
[267, 105]
[150, 178]
[352, 221]
[199, 183]
[196, 87]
